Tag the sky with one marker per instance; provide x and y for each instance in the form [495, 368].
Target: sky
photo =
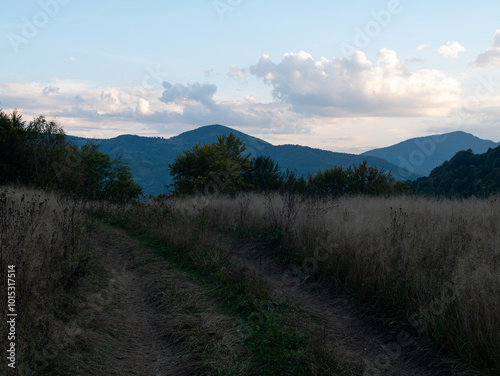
[336, 75]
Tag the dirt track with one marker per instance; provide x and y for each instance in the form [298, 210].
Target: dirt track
[130, 337]
[127, 323]
[349, 335]
[120, 333]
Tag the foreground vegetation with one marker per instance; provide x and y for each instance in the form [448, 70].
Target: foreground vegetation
[434, 265]
[273, 336]
[43, 236]
[431, 268]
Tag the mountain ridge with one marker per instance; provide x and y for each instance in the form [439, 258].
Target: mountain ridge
[148, 156]
[420, 155]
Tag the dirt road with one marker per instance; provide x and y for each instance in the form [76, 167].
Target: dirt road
[125, 331]
[145, 318]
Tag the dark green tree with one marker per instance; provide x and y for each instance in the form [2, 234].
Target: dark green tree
[120, 185]
[359, 179]
[45, 144]
[333, 181]
[39, 155]
[216, 167]
[264, 174]
[291, 183]
[12, 150]
[97, 176]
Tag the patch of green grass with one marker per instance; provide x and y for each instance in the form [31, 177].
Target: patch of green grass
[277, 346]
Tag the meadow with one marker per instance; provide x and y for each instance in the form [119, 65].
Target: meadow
[429, 268]
[431, 265]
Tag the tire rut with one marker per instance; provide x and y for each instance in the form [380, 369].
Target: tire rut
[350, 337]
[127, 329]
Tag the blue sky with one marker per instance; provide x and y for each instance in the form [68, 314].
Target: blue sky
[342, 76]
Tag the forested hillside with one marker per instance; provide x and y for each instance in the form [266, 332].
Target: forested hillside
[466, 174]
[147, 155]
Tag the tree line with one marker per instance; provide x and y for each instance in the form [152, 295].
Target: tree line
[37, 154]
[223, 167]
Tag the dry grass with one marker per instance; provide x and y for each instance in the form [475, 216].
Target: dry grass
[437, 263]
[273, 339]
[44, 236]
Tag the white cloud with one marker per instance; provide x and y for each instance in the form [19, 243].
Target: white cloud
[324, 101]
[237, 72]
[416, 60]
[451, 50]
[86, 110]
[492, 55]
[143, 107]
[478, 111]
[354, 87]
[496, 39]
[72, 58]
[423, 47]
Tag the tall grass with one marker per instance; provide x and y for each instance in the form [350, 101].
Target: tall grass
[435, 264]
[44, 237]
[274, 332]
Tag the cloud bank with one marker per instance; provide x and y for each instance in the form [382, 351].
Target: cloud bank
[354, 86]
[311, 97]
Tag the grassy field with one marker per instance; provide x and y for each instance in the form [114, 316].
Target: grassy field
[273, 334]
[432, 265]
[428, 270]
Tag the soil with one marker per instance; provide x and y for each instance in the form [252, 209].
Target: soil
[124, 328]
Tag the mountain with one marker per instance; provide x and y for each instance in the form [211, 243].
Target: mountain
[420, 155]
[147, 156]
[464, 175]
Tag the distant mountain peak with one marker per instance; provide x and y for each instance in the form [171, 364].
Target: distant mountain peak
[423, 154]
[216, 126]
[209, 133]
[128, 136]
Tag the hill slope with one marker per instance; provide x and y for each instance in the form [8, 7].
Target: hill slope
[464, 175]
[148, 155]
[420, 155]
